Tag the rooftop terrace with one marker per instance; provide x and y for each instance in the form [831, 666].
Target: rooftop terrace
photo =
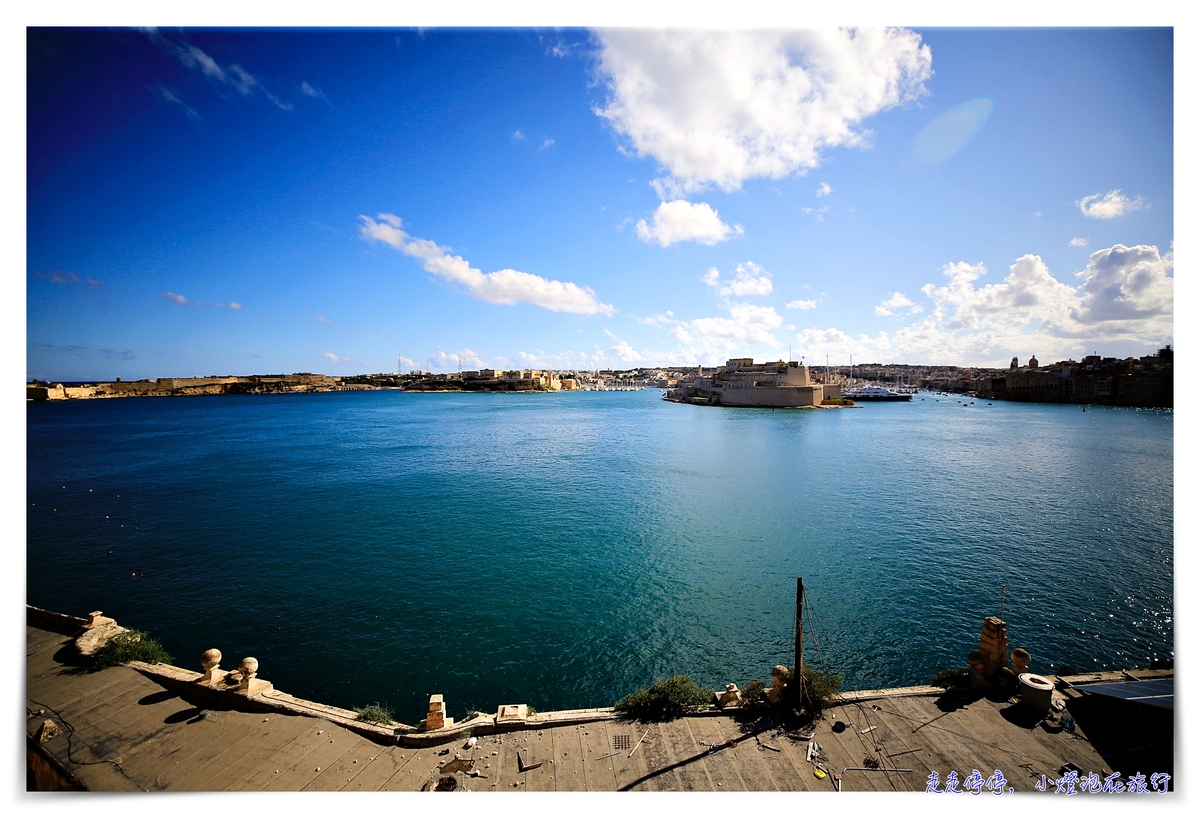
[142, 727]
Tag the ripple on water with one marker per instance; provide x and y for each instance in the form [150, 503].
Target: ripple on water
[566, 549]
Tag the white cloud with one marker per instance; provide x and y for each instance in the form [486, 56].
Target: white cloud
[312, 91]
[1126, 298]
[682, 220]
[193, 56]
[897, 302]
[323, 319]
[1109, 205]
[548, 143]
[465, 358]
[1127, 283]
[183, 300]
[749, 279]
[518, 135]
[626, 353]
[721, 107]
[336, 359]
[70, 279]
[747, 323]
[710, 338]
[815, 344]
[1077, 242]
[665, 319]
[407, 363]
[619, 355]
[169, 96]
[234, 76]
[802, 304]
[501, 287]
[824, 189]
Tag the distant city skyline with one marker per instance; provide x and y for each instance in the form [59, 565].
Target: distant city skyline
[224, 201]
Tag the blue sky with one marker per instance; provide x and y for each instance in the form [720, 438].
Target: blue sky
[216, 201]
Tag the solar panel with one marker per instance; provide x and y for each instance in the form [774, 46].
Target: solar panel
[1156, 692]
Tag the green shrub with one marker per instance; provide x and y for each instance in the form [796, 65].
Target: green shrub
[820, 689]
[753, 693]
[375, 714]
[130, 646]
[665, 700]
[952, 677]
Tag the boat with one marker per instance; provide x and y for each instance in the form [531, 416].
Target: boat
[874, 393]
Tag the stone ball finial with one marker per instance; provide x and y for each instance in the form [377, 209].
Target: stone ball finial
[210, 659]
[779, 675]
[1020, 660]
[249, 667]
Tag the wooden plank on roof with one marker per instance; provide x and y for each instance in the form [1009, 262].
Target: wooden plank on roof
[567, 755]
[729, 770]
[105, 778]
[342, 771]
[686, 754]
[327, 748]
[597, 776]
[91, 732]
[382, 764]
[788, 765]
[969, 737]
[152, 715]
[282, 759]
[79, 689]
[250, 754]
[622, 735]
[659, 775]
[166, 758]
[604, 771]
[420, 770]
[144, 760]
[539, 746]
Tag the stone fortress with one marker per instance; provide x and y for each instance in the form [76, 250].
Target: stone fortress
[741, 382]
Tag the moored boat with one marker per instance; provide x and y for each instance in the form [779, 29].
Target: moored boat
[874, 393]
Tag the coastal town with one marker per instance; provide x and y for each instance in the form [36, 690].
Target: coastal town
[1147, 381]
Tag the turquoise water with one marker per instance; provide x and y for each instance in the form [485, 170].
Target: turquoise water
[562, 550]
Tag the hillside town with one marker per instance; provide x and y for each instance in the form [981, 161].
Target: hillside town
[1147, 381]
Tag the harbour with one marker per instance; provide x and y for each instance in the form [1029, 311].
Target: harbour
[675, 407]
[673, 534]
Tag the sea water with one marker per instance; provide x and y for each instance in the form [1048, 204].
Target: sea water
[564, 549]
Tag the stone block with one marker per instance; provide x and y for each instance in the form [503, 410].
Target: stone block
[729, 697]
[512, 713]
[210, 660]
[47, 730]
[254, 687]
